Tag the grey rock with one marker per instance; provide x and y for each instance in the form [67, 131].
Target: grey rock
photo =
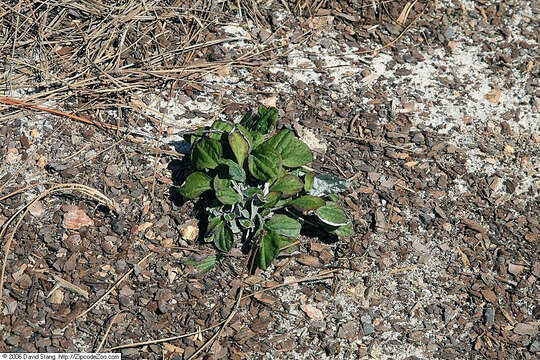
[348, 330]
[448, 314]
[418, 139]
[368, 328]
[489, 316]
[118, 226]
[449, 33]
[332, 349]
[130, 352]
[125, 301]
[13, 340]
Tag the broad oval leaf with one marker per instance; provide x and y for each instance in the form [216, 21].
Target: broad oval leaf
[271, 244]
[325, 184]
[223, 238]
[307, 203]
[283, 225]
[213, 224]
[252, 191]
[344, 231]
[279, 142]
[296, 154]
[195, 184]
[264, 165]
[246, 223]
[258, 139]
[263, 122]
[230, 169]
[268, 249]
[239, 146]
[246, 134]
[224, 193]
[206, 154]
[271, 199]
[288, 185]
[331, 214]
[222, 128]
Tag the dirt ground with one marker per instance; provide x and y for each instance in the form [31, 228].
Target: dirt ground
[430, 108]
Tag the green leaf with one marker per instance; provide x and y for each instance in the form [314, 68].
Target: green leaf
[344, 231]
[284, 225]
[224, 193]
[296, 154]
[264, 165]
[333, 197]
[206, 154]
[258, 139]
[252, 191]
[271, 199]
[246, 117]
[332, 215]
[279, 142]
[223, 238]
[195, 184]
[281, 203]
[260, 226]
[205, 265]
[263, 122]
[239, 146]
[212, 225]
[268, 116]
[308, 181]
[325, 184]
[271, 244]
[307, 203]
[222, 126]
[288, 185]
[268, 250]
[246, 134]
[245, 223]
[230, 169]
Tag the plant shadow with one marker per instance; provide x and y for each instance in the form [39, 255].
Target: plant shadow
[314, 231]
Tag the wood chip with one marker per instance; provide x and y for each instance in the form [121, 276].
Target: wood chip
[515, 269]
[76, 218]
[526, 329]
[473, 225]
[309, 260]
[312, 312]
[464, 259]
[265, 298]
[489, 295]
[494, 95]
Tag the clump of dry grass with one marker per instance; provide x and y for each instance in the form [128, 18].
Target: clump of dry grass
[94, 55]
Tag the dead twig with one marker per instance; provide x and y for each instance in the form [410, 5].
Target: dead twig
[61, 283]
[26, 105]
[113, 287]
[162, 340]
[111, 323]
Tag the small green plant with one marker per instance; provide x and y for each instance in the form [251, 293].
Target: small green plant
[259, 186]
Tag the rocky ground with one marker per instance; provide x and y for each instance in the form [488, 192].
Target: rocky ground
[432, 114]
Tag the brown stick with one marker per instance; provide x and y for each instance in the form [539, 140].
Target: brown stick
[26, 105]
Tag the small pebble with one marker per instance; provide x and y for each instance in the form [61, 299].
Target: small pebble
[118, 226]
[489, 316]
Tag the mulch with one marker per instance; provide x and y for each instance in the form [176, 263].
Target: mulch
[444, 263]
